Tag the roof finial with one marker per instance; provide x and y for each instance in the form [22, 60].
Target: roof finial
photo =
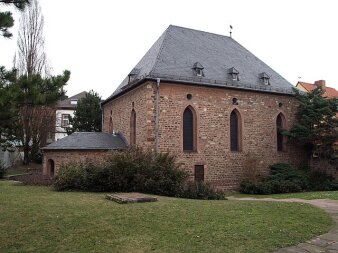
[230, 31]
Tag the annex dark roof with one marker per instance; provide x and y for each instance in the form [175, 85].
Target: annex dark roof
[66, 103]
[89, 141]
[177, 49]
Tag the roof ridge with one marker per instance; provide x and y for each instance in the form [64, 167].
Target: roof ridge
[187, 28]
[161, 48]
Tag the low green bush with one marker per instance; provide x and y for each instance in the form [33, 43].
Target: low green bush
[2, 170]
[201, 190]
[134, 170]
[285, 179]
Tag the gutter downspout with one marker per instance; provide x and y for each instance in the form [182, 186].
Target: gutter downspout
[157, 147]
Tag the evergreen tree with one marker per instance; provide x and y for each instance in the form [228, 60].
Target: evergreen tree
[31, 98]
[6, 18]
[88, 114]
[317, 124]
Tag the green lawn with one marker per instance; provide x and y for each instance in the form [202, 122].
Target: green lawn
[300, 195]
[37, 219]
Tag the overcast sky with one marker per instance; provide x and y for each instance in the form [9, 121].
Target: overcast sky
[101, 41]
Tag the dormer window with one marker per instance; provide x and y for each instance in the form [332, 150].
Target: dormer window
[265, 78]
[73, 102]
[234, 74]
[198, 69]
[132, 74]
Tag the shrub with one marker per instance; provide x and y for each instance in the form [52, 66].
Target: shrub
[131, 170]
[285, 179]
[70, 176]
[200, 190]
[2, 170]
[134, 170]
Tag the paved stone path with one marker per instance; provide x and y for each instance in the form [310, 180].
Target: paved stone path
[326, 243]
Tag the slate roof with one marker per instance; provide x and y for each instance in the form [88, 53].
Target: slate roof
[174, 54]
[89, 141]
[66, 103]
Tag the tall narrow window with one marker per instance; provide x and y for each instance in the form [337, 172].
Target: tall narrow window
[111, 125]
[235, 131]
[189, 130]
[133, 128]
[280, 124]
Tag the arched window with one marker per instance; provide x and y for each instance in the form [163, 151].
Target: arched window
[235, 131]
[280, 126]
[51, 167]
[133, 128]
[111, 125]
[189, 130]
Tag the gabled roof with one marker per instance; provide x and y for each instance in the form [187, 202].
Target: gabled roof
[198, 65]
[173, 55]
[233, 71]
[329, 92]
[89, 141]
[66, 103]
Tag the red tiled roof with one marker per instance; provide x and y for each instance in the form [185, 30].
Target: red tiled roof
[329, 92]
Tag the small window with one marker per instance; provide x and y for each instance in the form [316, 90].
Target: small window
[65, 120]
[234, 101]
[235, 77]
[199, 173]
[198, 69]
[234, 74]
[265, 78]
[199, 72]
[73, 102]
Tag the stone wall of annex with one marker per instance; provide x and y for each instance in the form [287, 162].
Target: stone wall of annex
[62, 157]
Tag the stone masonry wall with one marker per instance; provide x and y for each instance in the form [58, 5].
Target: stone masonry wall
[67, 156]
[258, 111]
[142, 99]
[223, 168]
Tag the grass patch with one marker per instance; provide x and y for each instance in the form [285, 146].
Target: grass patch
[300, 195]
[37, 219]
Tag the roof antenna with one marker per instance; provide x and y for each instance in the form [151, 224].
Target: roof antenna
[230, 31]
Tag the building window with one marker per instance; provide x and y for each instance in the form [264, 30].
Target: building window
[133, 128]
[189, 130]
[199, 173]
[73, 102]
[265, 78]
[235, 131]
[234, 74]
[65, 120]
[280, 125]
[198, 69]
[111, 125]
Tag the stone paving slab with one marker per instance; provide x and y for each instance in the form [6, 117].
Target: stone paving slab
[326, 243]
[130, 197]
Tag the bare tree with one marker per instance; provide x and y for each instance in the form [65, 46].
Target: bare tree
[31, 56]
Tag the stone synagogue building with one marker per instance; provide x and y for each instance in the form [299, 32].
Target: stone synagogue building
[201, 96]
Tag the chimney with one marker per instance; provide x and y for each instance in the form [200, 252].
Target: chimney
[320, 84]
